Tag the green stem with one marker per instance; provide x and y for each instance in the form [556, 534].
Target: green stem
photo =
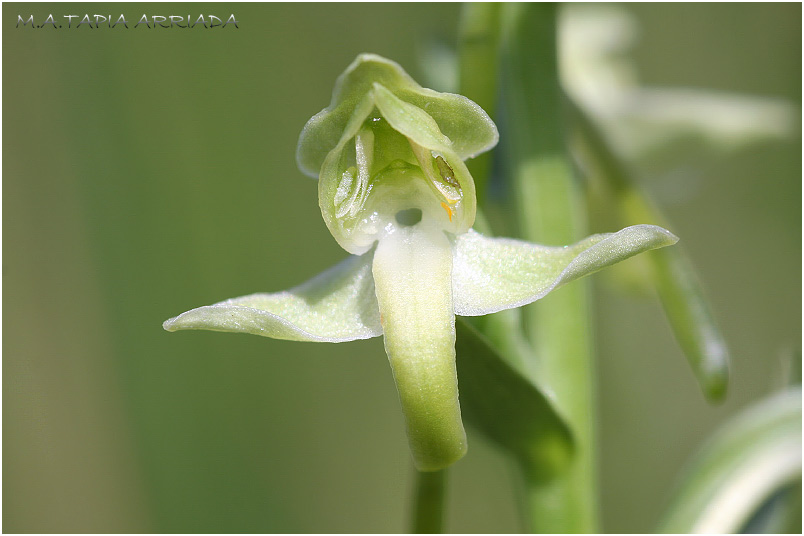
[479, 47]
[549, 207]
[428, 514]
[479, 44]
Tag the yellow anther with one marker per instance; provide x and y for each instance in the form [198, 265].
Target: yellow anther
[448, 209]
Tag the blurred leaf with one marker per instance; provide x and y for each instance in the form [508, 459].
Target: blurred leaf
[672, 274]
[599, 69]
[749, 459]
[691, 320]
[652, 121]
[792, 367]
[437, 61]
[780, 514]
[508, 408]
[479, 42]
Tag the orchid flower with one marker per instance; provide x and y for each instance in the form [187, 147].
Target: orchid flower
[396, 194]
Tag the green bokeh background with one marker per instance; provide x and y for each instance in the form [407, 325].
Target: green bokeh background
[148, 171]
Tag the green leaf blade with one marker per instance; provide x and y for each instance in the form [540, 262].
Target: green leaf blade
[508, 409]
[692, 322]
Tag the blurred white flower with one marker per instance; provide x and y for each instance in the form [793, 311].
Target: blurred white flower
[597, 71]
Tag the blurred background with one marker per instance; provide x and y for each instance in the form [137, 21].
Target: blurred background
[149, 171]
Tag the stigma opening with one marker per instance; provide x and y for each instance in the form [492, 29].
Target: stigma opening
[409, 217]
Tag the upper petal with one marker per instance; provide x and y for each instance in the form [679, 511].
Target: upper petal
[410, 120]
[492, 274]
[464, 123]
[337, 305]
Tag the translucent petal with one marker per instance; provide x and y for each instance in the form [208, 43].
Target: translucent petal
[337, 305]
[492, 274]
[468, 127]
[324, 130]
[410, 120]
[466, 124]
[412, 273]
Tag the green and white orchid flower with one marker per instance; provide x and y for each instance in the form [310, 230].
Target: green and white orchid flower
[395, 193]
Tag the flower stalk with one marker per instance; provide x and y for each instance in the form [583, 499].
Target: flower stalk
[549, 209]
[428, 513]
